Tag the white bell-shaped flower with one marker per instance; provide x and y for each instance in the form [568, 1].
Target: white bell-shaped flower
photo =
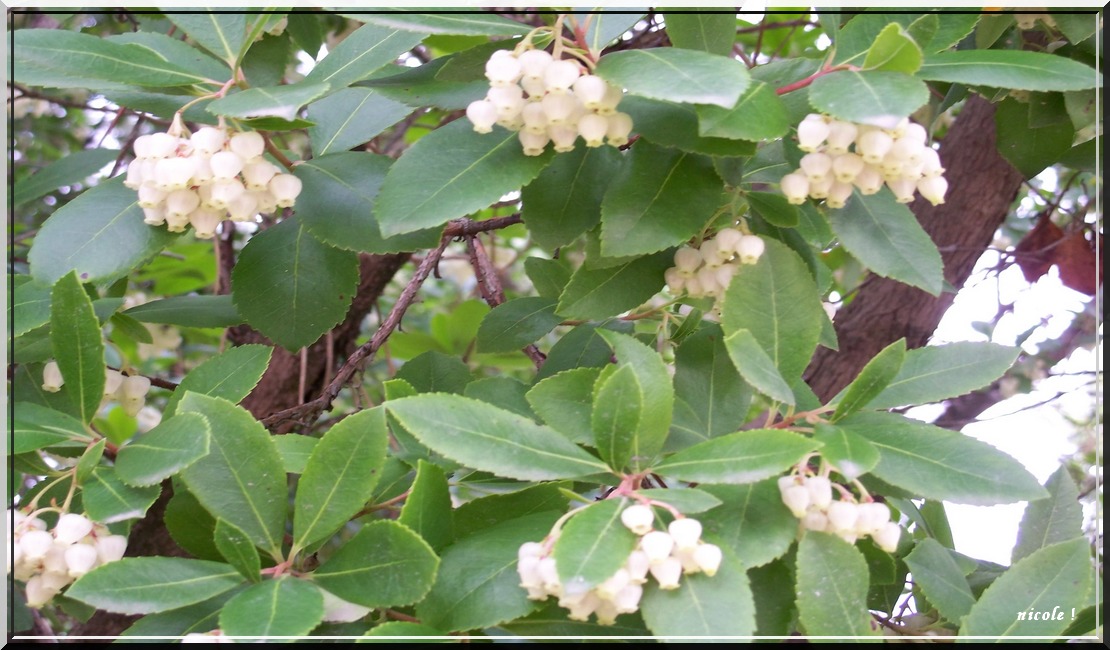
[847, 166]
[838, 194]
[482, 114]
[208, 140]
[873, 145]
[52, 380]
[620, 126]
[508, 101]
[243, 207]
[657, 545]
[71, 527]
[796, 498]
[285, 188]
[933, 188]
[204, 222]
[903, 189]
[562, 136]
[80, 558]
[225, 165]
[638, 518]
[868, 180]
[667, 573]
[160, 145]
[593, 128]
[686, 532]
[749, 249]
[533, 143]
[150, 196]
[842, 515]
[820, 491]
[110, 548]
[560, 108]
[559, 76]
[180, 203]
[247, 144]
[590, 90]
[36, 544]
[533, 63]
[113, 379]
[502, 68]
[812, 132]
[887, 536]
[174, 173]
[816, 166]
[708, 558]
[795, 186]
[154, 216]
[841, 136]
[535, 118]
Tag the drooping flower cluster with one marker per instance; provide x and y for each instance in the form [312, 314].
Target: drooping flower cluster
[665, 555]
[845, 155]
[810, 499]
[708, 270]
[49, 560]
[205, 178]
[129, 391]
[549, 100]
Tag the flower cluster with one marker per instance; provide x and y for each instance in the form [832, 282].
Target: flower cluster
[129, 391]
[205, 178]
[47, 561]
[844, 155]
[811, 500]
[665, 555]
[549, 100]
[708, 270]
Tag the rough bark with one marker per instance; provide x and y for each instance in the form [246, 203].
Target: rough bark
[280, 386]
[982, 187]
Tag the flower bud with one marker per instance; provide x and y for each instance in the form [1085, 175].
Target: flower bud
[638, 518]
[482, 114]
[72, 527]
[52, 380]
[80, 558]
[749, 249]
[686, 532]
[795, 186]
[657, 545]
[667, 572]
[285, 188]
[247, 144]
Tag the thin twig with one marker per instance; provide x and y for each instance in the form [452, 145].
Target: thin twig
[489, 285]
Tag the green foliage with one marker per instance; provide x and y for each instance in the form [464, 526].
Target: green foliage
[440, 406]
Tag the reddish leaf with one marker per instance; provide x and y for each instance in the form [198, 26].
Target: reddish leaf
[1079, 269]
[1034, 254]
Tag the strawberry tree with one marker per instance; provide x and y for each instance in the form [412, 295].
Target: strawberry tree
[500, 324]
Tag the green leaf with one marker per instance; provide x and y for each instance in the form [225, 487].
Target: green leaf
[604, 292]
[222, 34]
[491, 439]
[70, 170]
[676, 125]
[617, 416]
[564, 201]
[468, 24]
[107, 499]
[712, 33]
[741, 457]
[177, 52]
[190, 525]
[340, 476]
[420, 86]
[100, 235]
[877, 96]
[832, 588]
[295, 450]
[752, 521]
[37, 426]
[337, 203]
[872, 380]
[687, 500]
[592, 545]
[1017, 69]
[164, 451]
[241, 479]
[478, 585]
[710, 396]
[427, 510]
[938, 372]
[851, 454]
[275, 101]
[238, 550]
[653, 383]
[188, 311]
[230, 375]
[582, 347]
[450, 173]
[548, 277]
[349, 118]
[565, 400]
[89, 460]
[716, 607]
[384, 565]
[389, 630]
[144, 585]
[774, 208]
[756, 367]
[604, 28]
[30, 305]
[676, 75]
[758, 115]
[292, 287]
[516, 323]
[365, 51]
[284, 607]
[435, 372]
[935, 572]
[78, 348]
[1052, 580]
[200, 618]
[503, 392]
[79, 55]
[1030, 150]
[777, 301]
[686, 194]
[1058, 518]
[939, 464]
[886, 237]
[127, 327]
[894, 50]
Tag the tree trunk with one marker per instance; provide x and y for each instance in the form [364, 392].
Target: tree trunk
[982, 187]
